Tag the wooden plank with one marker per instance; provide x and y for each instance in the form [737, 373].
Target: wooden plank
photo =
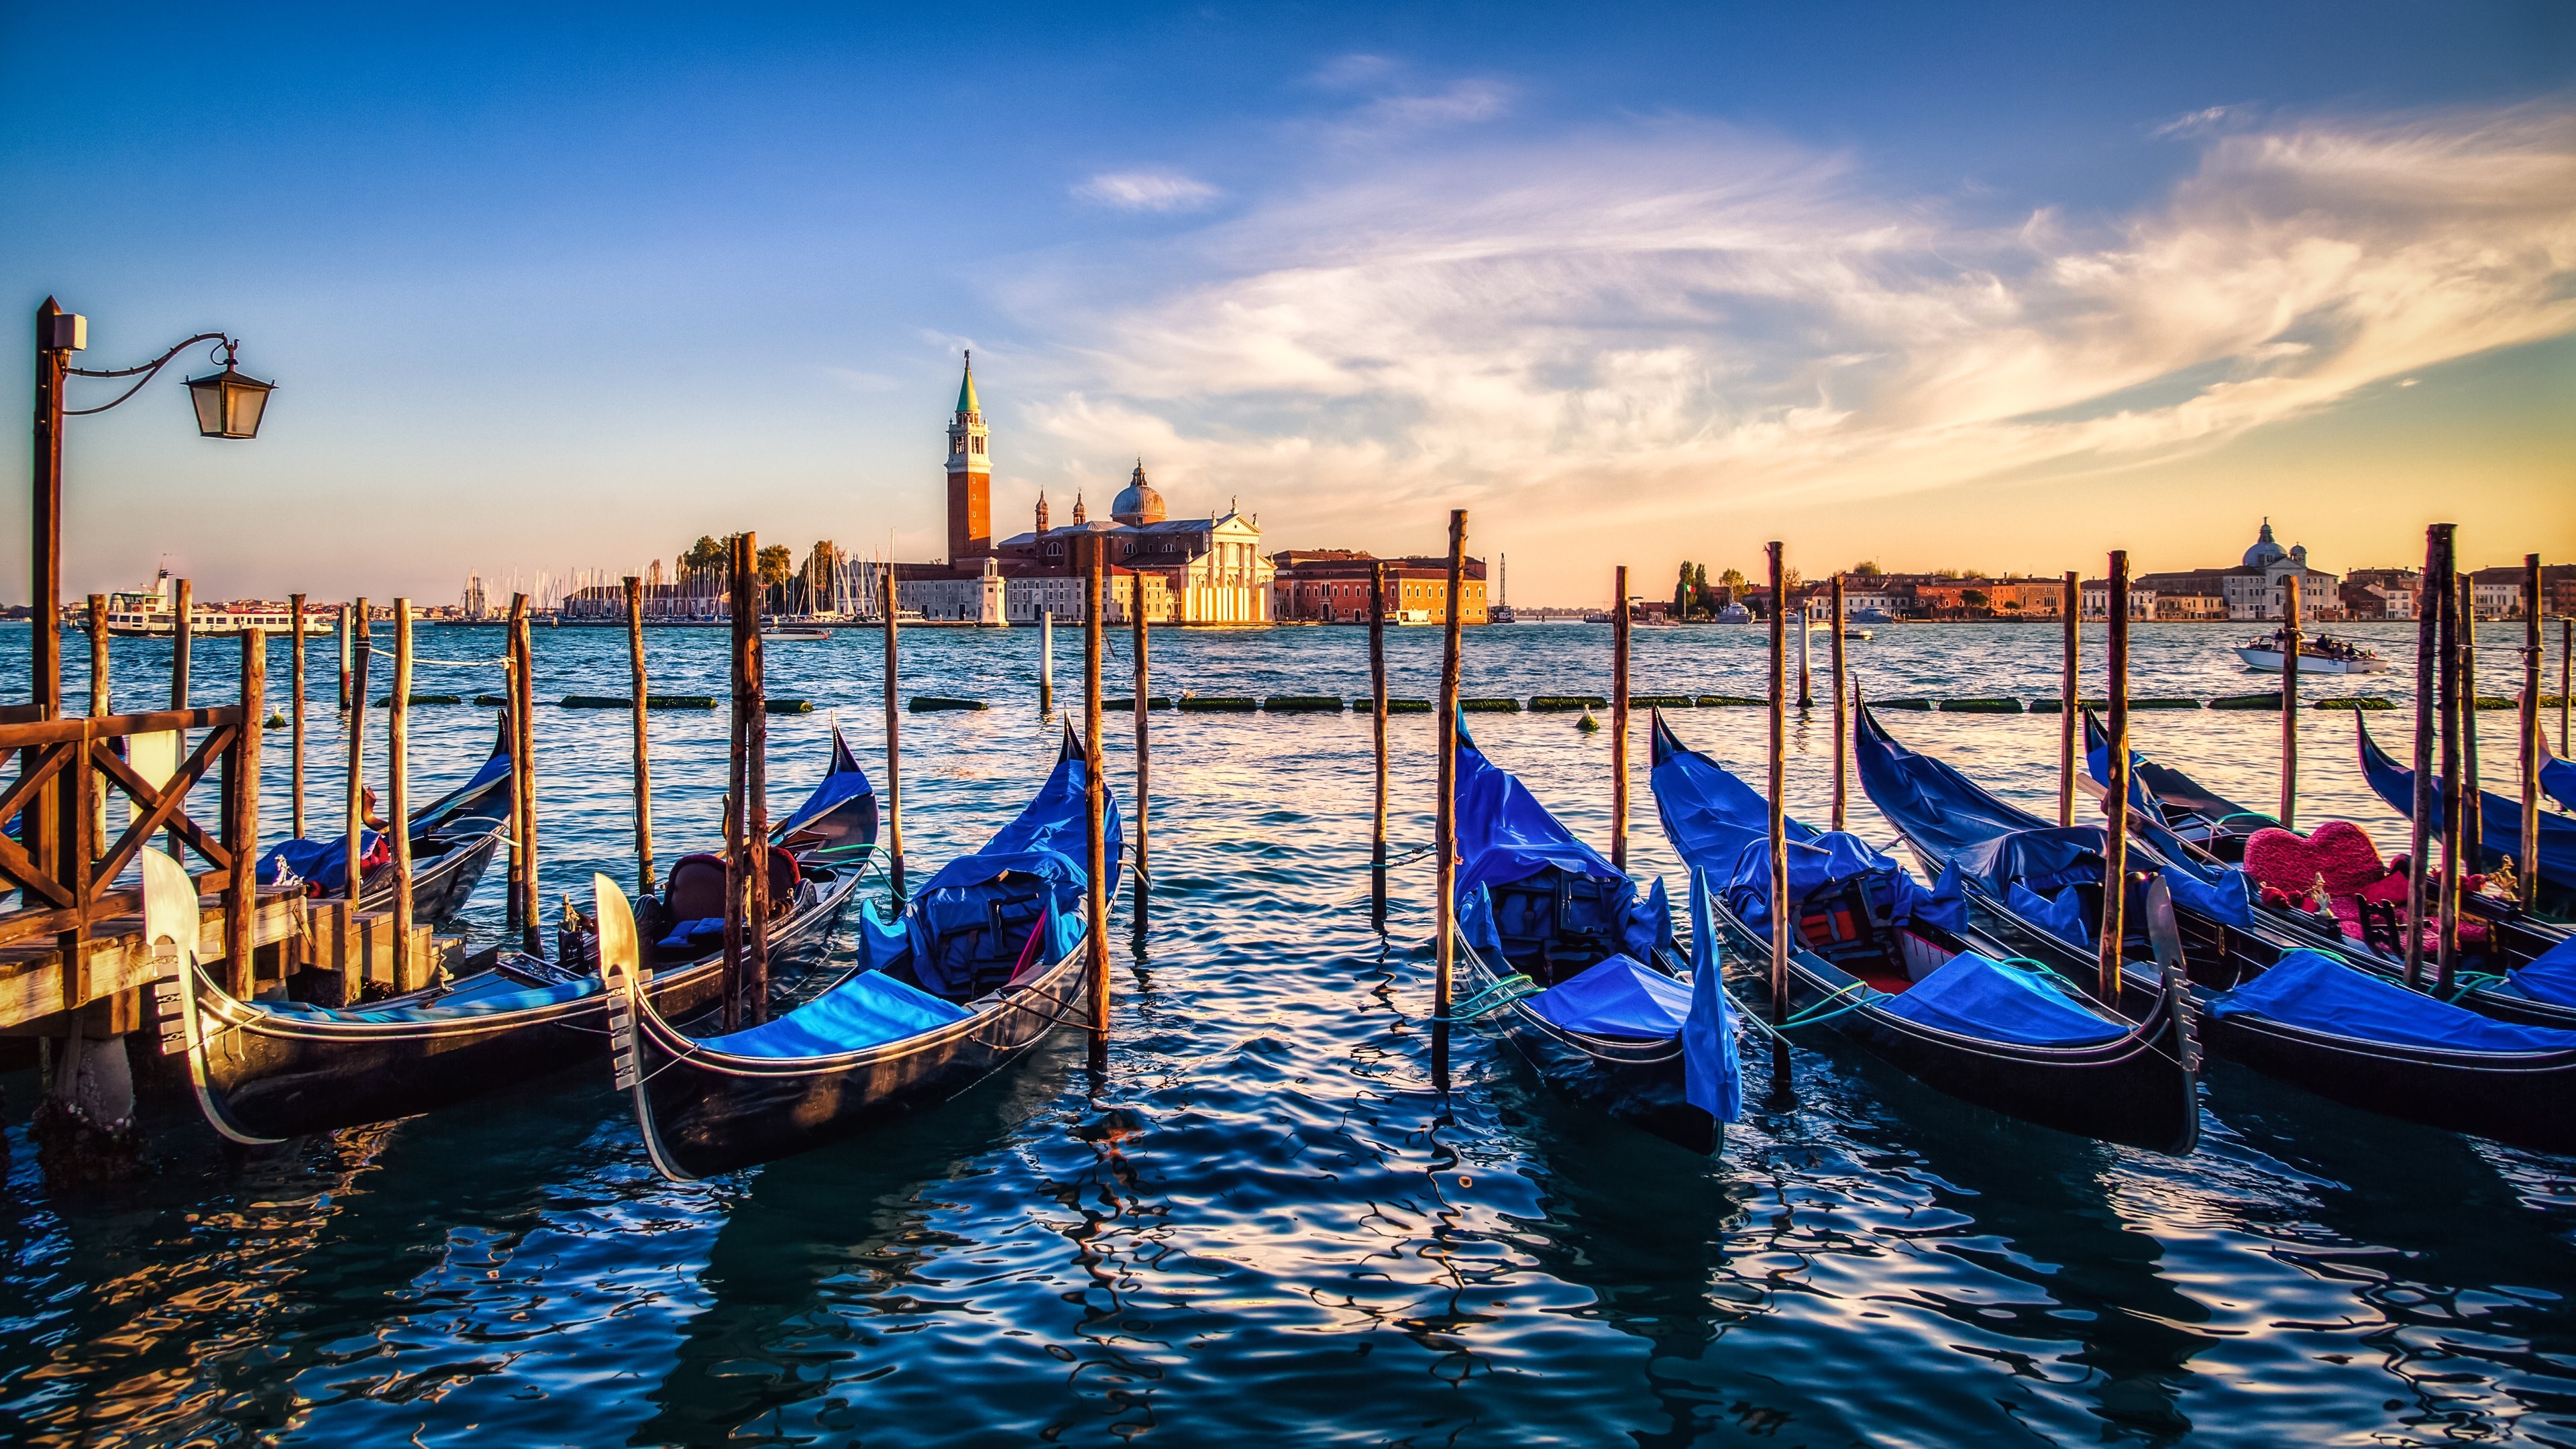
[62, 731]
[31, 981]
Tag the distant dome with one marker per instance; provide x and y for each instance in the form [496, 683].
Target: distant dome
[2265, 552]
[1138, 504]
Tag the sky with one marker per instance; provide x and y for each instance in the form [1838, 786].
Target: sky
[1997, 288]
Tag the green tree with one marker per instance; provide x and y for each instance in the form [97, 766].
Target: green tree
[1868, 569]
[706, 553]
[775, 566]
[1732, 579]
[1973, 598]
[1682, 593]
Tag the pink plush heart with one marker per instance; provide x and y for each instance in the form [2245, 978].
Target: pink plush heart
[2339, 852]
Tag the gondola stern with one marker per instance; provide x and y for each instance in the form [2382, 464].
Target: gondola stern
[630, 1012]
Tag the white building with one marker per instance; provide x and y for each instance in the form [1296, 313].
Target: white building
[975, 599]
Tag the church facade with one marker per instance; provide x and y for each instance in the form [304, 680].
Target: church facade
[1179, 570]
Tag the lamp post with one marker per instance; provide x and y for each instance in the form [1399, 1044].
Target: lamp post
[228, 405]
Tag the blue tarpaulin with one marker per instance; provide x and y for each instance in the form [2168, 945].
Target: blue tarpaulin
[1722, 828]
[1506, 835]
[318, 862]
[1977, 997]
[2046, 860]
[2313, 990]
[1046, 845]
[1712, 1076]
[869, 1009]
[2062, 917]
[2551, 975]
[2229, 900]
[2394, 784]
[1620, 997]
[2558, 781]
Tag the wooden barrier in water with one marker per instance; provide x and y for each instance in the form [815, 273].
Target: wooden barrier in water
[2115, 799]
[398, 798]
[2070, 609]
[2428, 617]
[1095, 792]
[1142, 701]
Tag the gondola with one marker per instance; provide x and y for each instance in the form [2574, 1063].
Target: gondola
[990, 956]
[2499, 820]
[268, 1069]
[2515, 966]
[2306, 1017]
[1899, 970]
[1580, 973]
[452, 841]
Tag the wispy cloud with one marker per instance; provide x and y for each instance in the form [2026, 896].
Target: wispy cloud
[1465, 101]
[1146, 191]
[1624, 318]
[2200, 122]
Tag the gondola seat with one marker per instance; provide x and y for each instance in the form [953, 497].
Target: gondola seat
[977, 945]
[1555, 922]
[869, 1009]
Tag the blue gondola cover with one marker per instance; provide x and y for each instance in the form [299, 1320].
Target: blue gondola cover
[2062, 917]
[1045, 844]
[2501, 818]
[1620, 997]
[1976, 997]
[869, 1009]
[316, 862]
[2551, 975]
[2558, 782]
[1712, 1075]
[2313, 990]
[2229, 900]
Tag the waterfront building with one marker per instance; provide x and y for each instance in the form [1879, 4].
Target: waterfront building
[1197, 570]
[1331, 586]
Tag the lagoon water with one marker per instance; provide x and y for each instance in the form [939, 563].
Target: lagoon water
[1263, 1223]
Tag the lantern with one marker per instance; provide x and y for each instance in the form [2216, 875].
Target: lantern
[228, 402]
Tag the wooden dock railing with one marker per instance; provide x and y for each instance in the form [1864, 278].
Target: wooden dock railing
[63, 863]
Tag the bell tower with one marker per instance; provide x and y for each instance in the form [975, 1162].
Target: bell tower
[970, 476]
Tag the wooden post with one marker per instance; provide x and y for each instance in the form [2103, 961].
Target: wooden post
[755, 794]
[511, 671]
[295, 634]
[1377, 729]
[183, 640]
[1842, 737]
[643, 747]
[2531, 741]
[1779, 840]
[1444, 843]
[398, 796]
[1095, 790]
[894, 750]
[241, 832]
[1619, 717]
[1144, 753]
[355, 815]
[524, 911]
[1046, 662]
[2473, 825]
[1806, 697]
[348, 641]
[2566, 676]
[2454, 863]
[2115, 801]
[2430, 590]
[2290, 640]
[98, 671]
[2070, 696]
[737, 912]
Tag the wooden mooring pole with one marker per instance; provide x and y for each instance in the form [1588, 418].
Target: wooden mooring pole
[512, 679]
[2070, 695]
[1806, 632]
[348, 642]
[355, 803]
[1144, 745]
[183, 641]
[2454, 859]
[1619, 717]
[1046, 662]
[1444, 839]
[894, 750]
[2290, 641]
[643, 741]
[2566, 677]
[295, 654]
[1095, 790]
[2430, 590]
[241, 800]
[398, 796]
[98, 672]
[1842, 736]
[2473, 825]
[2115, 799]
[2531, 742]
[1377, 730]
[755, 794]
[1779, 838]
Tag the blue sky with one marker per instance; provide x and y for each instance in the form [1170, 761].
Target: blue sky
[547, 289]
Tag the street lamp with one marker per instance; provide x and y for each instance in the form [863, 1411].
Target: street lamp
[228, 404]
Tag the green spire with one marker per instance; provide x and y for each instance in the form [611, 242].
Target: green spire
[966, 402]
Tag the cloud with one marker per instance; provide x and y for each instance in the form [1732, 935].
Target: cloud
[2197, 123]
[1146, 191]
[1625, 319]
[1465, 101]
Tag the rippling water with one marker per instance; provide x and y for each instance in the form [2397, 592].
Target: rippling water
[1263, 1222]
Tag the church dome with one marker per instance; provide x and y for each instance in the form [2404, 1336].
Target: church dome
[2265, 552]
[1137, 504]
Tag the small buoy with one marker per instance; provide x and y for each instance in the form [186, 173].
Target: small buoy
[274, 721]
[1587, 724]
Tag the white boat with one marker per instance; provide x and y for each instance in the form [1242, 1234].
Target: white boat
[793, 634]
[1852, 633]
[1735, 614]
[2318, 654]
[154, 613]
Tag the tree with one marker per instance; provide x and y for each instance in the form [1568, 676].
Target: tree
[706, 553]
[1976, 599]
[822, 566]
[1732, 579]
[1682, 593]
[775, 566]
[1868, 569]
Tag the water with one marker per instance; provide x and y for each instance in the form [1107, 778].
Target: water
[1263, 1224]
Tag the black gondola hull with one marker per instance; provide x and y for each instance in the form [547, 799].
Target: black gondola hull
[705, 1114]
[2528, 1100]
[271, 1075]
[1647, 1095]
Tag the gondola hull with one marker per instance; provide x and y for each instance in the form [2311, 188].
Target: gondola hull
[2140, 1090]
[1639, 1083]
[705, 1113]
[2526, 1099]
[269, 1074]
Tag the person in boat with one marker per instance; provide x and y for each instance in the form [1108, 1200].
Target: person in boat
[321, 866]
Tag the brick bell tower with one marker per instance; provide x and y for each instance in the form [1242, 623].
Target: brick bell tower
[970, 477]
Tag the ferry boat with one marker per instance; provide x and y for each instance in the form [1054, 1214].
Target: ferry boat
[2318, 654]
[1735, 614]
[154, 613]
